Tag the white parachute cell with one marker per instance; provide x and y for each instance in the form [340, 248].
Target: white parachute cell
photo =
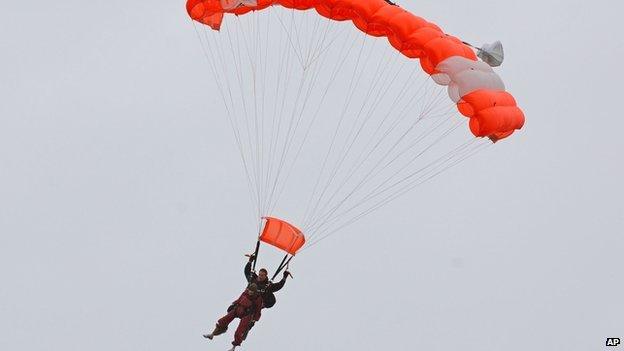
[464, 76]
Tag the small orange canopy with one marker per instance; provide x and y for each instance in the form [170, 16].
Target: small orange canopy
[282, 235]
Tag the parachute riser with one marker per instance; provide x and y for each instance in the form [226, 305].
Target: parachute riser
[282, 265]
[255, 254]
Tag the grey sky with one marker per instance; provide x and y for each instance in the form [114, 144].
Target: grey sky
[124, 212]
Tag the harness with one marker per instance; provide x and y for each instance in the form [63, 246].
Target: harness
[248, 310]
[268, 298]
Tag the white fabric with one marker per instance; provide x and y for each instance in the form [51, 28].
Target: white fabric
[441, 78]
[232, 4]
[463, 76]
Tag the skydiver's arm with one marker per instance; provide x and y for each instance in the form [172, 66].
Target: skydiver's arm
[247, 271]
[279, 285]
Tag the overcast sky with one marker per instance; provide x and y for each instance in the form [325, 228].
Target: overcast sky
[124, 212]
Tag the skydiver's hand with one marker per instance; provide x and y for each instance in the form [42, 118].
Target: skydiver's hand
[252, 257]
[286, 274]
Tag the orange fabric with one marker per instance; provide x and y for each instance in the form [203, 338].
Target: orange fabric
[492, 114]
[282, 235]
[298, 4]
[413, 36]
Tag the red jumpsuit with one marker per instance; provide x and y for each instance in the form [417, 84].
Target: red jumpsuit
[247, 307]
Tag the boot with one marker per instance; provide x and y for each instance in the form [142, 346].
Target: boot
[217, 331]
[232, 349]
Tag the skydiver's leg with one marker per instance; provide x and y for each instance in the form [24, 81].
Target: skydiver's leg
[241, 331]
[222, 325]
[251, 324]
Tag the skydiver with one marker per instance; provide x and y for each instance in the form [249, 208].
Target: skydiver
[248, 308]
[265, 286]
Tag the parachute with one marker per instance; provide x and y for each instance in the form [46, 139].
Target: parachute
[492, 112]
[354, 118]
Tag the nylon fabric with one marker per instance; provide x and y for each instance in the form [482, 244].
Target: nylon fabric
[411, 35]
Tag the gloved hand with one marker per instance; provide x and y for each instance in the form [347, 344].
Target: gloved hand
[252, 257]
[286, 274]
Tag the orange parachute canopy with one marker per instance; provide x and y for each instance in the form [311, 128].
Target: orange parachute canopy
[282, 235]
[492, 112]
